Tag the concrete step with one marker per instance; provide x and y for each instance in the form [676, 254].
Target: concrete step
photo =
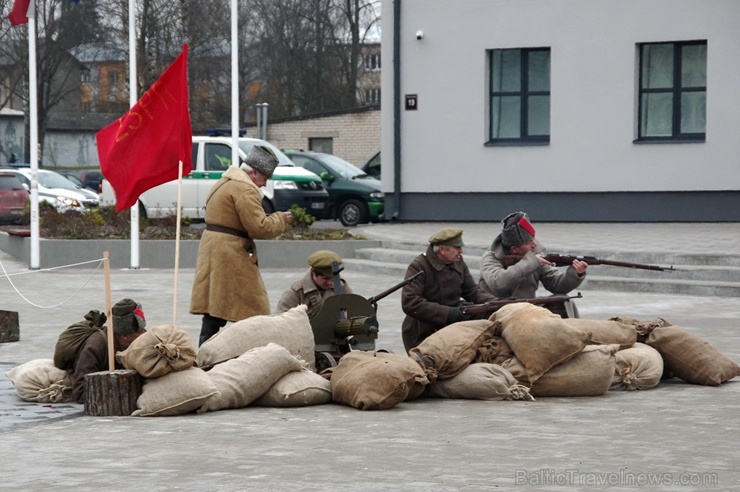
[710, 275]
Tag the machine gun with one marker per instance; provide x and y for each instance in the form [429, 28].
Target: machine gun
[347, 322]
[562, 260]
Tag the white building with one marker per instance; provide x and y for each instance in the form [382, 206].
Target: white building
[572, 110]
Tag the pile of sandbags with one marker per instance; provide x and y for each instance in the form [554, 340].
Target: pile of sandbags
[263, 360]
[684, 354]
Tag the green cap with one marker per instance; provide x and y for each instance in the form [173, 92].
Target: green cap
[448, 237]
[321, 261]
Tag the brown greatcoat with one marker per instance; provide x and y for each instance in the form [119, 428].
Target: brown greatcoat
[429, 298]
[227, 281]
[92, 357]
[304, 291]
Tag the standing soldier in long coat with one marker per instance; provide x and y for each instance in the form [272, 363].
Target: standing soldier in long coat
[228, 285]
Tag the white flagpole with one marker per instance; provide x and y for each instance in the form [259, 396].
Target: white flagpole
[234, 84]
[132, 99]
[177, 242]
[34, 124]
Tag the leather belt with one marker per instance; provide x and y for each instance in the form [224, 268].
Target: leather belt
[227, 230]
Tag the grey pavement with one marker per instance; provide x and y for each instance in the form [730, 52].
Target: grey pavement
[677, 436]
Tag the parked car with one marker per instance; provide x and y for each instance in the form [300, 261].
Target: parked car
[57, 190]
[13, 198]
[85, 179]
[372, 166]
[355, 198]
[289, 184]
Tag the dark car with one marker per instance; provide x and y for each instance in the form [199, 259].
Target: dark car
[13, 198]
[355, 198]
[372, 166]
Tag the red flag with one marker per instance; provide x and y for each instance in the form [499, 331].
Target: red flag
[19, 13]
[142, 149]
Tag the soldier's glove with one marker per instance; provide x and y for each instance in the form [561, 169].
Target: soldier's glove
[456, 314]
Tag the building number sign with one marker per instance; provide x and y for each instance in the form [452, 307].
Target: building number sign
[412, 102]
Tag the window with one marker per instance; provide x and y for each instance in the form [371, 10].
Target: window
[372, 96]
[673, 91]
[520, 96]
[372, 62]
[218, 157]
[325, 145]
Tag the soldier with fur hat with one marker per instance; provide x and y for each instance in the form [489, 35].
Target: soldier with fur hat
[228, 285]
[316, 285]
[522, 279]
[129, 324]
[433, 300]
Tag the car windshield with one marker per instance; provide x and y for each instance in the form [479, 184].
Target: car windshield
[342, 167]
[54, 180]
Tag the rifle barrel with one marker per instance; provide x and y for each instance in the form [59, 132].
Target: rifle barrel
[387, 292]
[591, 260]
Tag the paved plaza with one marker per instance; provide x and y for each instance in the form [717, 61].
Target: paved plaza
[674, 437]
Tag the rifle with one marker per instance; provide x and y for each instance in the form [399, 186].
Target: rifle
[562, 260]
[492, 306]
[374, 299]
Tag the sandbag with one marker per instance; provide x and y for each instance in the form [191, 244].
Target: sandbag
[639, 367]
[539, 338]
[40, 381]
[297, 389]
[160, 350]
[447, 352]
[175, 393]
[71, 340]
[689, 357]
[605, 332]
[374, 380]
[480, 381]
[242, 380]
[494, 351]
[589, 373]
[517, 370]
[290, 329]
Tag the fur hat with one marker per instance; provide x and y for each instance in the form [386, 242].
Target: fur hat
[517, 230]
[262, 159]
[127, 317]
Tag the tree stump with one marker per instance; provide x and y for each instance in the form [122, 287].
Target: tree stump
[9, 328]
[112, 393]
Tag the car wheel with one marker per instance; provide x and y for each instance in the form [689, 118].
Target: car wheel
[267, 206]
[352, 212]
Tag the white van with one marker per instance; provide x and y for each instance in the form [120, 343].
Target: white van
[289, 184]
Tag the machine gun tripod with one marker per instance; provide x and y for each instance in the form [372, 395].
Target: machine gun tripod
[347, 322]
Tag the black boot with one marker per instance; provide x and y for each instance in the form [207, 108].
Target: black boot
[210, 327]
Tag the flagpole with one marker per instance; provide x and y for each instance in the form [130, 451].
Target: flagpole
[234, 84]
[34, 125]
[177, 242]
[132, 100]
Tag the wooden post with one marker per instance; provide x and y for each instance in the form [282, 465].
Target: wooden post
[9, 327]
[112, 393]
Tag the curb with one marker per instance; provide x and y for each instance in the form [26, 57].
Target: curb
[161, 253]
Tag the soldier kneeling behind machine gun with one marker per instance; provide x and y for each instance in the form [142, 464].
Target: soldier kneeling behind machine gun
[347, 322]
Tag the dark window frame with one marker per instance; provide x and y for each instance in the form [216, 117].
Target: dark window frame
[676, 90]
[524, 94]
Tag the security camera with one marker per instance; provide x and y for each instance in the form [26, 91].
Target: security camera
[419, 34]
